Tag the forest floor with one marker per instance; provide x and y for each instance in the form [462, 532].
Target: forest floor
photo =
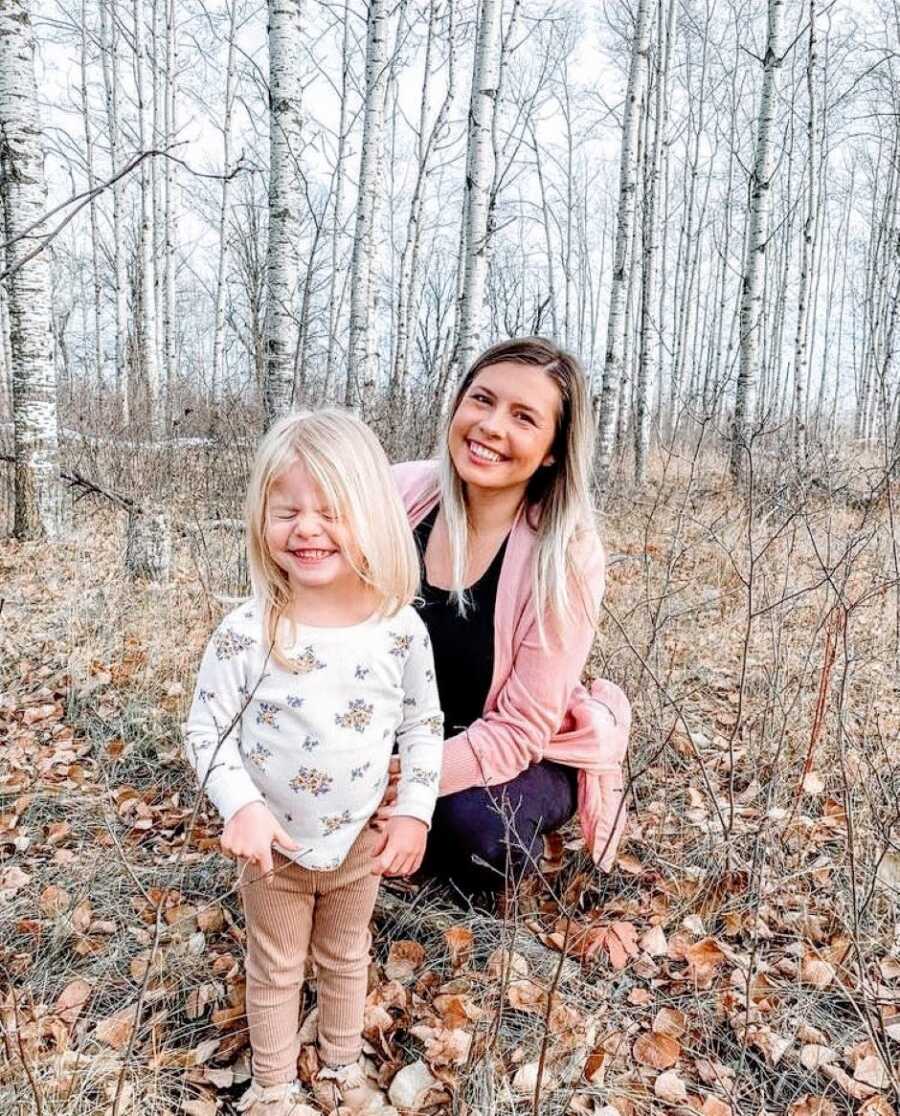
[743, 956]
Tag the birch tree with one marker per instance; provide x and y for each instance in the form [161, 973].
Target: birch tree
[149, 352]
[109, 53]
[757, 241]
[221, 260]
[38, 493]
[361, 367]
[628, 170]
[651, 325]
[480, 171]
[801, 336]
[285, 199]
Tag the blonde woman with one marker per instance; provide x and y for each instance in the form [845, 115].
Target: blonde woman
[300, 698]
[513, 574]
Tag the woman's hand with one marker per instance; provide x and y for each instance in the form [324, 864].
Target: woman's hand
[382, 814]
[400, 848]
[250, 833]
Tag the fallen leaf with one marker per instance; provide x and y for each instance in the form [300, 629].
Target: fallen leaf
[525, 995]
[459, 941]
[656, 1050]
[876, 1106]
[856, 1089]
[670, 1088]
[816, 972]
[525, 1079]
[669, 1021]
[712, 1106]
[71, 1000]
[813, 1056]
[595, 1066]
[412, 1086]
[813, 783]
[653, 942]
[404, 957]
[502, 963]
[888, 874]
[53, 901]
[809, 1105]
[704, 958]
[872, 1071]
[115, 1031]
[13, 878]
[444, 1046]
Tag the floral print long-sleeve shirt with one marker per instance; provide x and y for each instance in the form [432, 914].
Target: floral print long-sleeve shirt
[314, 742]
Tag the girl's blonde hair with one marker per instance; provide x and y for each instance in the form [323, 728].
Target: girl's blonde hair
[558, 497]
[351, 470]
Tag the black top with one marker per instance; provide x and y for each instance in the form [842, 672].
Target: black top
[463, 645]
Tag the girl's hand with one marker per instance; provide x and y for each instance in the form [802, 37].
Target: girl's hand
[381, 815]
[249, 834]
[400, 848]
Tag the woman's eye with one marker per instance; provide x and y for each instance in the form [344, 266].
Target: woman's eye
[523, 417]
[479, 397]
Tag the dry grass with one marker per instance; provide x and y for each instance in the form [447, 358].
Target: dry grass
[717, 626]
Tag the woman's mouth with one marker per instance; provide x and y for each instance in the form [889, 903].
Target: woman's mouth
[483, 455]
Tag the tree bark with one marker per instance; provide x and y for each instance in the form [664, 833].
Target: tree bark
[285, 198]
[361, 366]
[38, 493]
[480, 170]
[755, 260]
[628, 172]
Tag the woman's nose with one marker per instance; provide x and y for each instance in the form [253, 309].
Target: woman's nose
[491, 425]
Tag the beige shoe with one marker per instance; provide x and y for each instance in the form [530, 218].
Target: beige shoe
[348, 1089]
[274, 1100]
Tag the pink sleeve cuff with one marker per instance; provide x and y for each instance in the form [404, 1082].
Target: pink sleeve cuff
[460, 769]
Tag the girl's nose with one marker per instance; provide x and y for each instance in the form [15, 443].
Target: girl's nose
[307, 526]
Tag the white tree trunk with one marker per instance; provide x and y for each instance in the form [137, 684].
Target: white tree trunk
[92, 208]
[651, 323]
[409, 285]
[801, 336]
[480, 170]
[361, 371]
[38, 493]
[628, 170]
[757, 240]
[170, 201]
[109, 37]
[148, 347]
[215, 386]
[285, 198]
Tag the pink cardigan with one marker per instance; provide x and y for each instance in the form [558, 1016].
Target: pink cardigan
[537, 707]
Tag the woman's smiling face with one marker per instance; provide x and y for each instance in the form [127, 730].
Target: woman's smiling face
[505, 425]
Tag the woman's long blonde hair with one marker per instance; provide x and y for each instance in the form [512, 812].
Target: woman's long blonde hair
[558, 497]
[348, 464]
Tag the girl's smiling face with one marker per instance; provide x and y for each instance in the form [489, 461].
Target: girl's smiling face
[503, 430]
[306, 537]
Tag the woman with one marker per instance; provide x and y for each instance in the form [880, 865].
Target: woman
[512, 577]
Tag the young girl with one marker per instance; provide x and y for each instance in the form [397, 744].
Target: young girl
[300, 697]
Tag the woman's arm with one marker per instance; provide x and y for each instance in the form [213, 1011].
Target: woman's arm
[532, 703]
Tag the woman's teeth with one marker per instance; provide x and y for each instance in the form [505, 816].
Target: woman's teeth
[484, 453]
[311, 555]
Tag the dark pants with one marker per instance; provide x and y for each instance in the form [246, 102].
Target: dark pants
[483, 835]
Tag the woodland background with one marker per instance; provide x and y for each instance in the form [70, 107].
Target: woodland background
[213, 212]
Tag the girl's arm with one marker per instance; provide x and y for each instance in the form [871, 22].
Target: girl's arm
[532, 703]
[212, 732]
[421, 734]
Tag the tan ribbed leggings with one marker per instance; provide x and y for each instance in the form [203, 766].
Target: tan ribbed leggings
[289, 912]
